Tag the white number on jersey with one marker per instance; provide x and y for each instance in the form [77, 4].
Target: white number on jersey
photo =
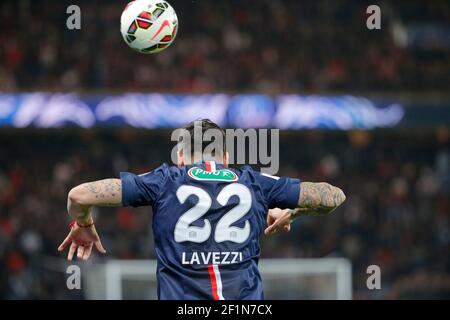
[224, 231]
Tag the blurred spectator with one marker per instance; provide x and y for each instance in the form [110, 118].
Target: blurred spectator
[229, 45]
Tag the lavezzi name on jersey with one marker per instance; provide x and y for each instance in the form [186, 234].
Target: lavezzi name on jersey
[219, 175]
[215, 257]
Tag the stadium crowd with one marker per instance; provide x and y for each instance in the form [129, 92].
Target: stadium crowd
[396, 215]
[256, 45]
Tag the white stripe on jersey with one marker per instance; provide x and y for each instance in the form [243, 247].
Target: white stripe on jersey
[269, 176]
[218, 281]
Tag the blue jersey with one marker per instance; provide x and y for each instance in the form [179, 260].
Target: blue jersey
[207, 223]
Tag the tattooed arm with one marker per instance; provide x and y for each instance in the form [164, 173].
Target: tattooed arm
[318, 198]
[315, 199]
[103, 193]
[83, 236]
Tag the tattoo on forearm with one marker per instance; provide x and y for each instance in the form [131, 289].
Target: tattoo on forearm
[105, 189]
[319, 198]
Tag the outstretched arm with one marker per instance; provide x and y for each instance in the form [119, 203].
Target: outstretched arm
[318, 199]
[83, 235]
[315, 199]
[102, 193]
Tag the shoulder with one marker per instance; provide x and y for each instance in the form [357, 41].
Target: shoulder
[164, 169]
[156, 177]
[256, 174]
[245, 170]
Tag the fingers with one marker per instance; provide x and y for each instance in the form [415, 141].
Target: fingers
[271, 229]
[87, 252]
[64, 244]
[279, 223]
[80, 252]
[270, 219]
[99, 247]
[72, 249]
[83, 252]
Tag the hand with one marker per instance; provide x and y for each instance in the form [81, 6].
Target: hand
[83, 239]
[278, 219]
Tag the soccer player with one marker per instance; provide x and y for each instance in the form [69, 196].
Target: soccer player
[207, 220]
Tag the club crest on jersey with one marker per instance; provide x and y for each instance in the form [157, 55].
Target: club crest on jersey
[218, 175]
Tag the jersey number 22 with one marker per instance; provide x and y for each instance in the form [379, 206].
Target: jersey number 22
[224, 230]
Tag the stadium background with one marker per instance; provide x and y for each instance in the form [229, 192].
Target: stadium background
[397, 179]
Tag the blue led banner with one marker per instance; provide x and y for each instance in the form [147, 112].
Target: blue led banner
[49, 110]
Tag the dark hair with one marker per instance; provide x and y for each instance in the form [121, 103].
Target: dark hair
[206, 124]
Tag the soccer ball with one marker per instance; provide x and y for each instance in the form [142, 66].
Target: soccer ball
[149, 26]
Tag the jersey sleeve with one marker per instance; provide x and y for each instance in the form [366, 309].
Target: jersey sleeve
[279, 192]
[144, 189]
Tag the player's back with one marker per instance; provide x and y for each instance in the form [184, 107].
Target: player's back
[207, 223]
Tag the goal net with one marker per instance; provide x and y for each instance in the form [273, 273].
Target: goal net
[326, 278]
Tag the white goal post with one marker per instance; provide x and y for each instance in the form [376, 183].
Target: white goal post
[325, 278]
